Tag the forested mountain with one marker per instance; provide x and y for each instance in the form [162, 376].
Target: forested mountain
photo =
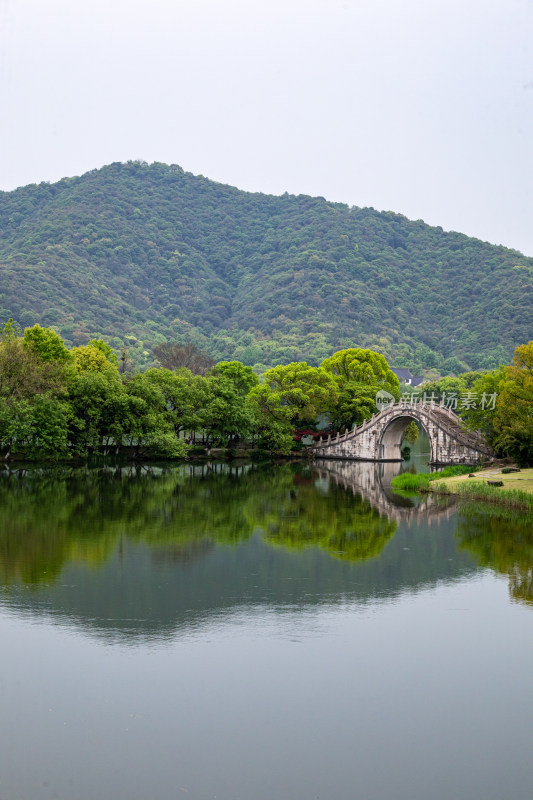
[140, 254]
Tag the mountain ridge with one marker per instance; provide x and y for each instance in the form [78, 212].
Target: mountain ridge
[142, 253]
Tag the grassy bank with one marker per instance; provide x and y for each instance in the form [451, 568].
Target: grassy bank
[517, 489]
[513, 481]
[407, 481]
[482, 492]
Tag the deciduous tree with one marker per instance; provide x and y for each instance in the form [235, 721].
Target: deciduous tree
[513, 421]
[296, 393]
[359, 374]
[175, 356]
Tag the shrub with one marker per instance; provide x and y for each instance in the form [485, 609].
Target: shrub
[409, 481]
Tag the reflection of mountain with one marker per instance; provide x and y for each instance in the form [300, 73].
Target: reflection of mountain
[172, 547]
[182, 553]
[503, 543]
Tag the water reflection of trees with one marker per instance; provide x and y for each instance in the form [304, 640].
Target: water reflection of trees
[49, 518]
[342, 523]
[503, 543]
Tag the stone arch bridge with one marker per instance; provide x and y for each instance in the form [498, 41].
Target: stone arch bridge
[380, 438]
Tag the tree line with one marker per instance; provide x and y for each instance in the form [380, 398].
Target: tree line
[60, 403]
[57, 402]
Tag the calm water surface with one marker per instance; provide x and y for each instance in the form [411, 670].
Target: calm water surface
[263, 632]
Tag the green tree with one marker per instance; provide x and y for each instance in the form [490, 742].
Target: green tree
[513, 421]
[185, 397]
[361, 366]
[449, 389]
[271, 435]
[479, 416]
[15, 425]
[295, 394]
[99, 411]
[49, 430]
[10, 330]
[360, 374]
[92, 358]
[243, 378]
[106, 349]
[151, 430]
[36, 428]
[46, 343]
[226, 414]
[23, 374]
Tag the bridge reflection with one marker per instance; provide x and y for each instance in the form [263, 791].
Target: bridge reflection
[373, 482]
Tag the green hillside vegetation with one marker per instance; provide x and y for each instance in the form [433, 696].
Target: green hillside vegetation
[140, 255]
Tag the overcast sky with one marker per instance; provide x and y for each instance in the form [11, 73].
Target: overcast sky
[422, 107]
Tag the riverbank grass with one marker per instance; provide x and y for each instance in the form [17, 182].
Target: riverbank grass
[513, 481]
[517, 489]
[481, 492]
[408, 481]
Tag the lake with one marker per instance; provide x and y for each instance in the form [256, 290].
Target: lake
[281, 631]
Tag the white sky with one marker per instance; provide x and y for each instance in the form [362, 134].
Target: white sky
[423, 107]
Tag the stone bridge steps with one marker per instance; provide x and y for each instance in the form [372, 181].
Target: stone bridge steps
[450, 424]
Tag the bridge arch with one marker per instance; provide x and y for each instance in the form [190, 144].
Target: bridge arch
[379, 438]
[389, 445]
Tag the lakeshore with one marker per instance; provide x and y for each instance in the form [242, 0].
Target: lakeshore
[504, 486]
[521, 481]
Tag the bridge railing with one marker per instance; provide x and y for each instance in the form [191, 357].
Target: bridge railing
[453, 428]
[437, 413]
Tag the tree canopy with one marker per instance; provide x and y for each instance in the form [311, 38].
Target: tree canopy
[57, 402]
[513, 420]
